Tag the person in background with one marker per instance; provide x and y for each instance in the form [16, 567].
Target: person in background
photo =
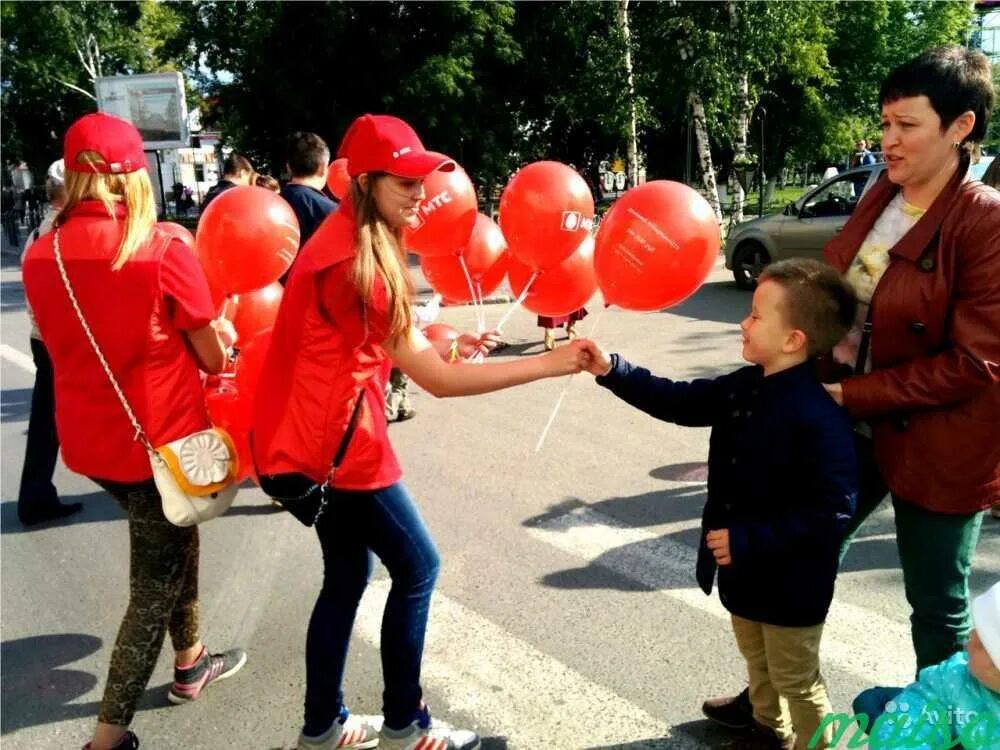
[37, 498]
[265, 181]
[549, 324]
[956, 701]
[862, 156]
[308, 160]
[236, 170]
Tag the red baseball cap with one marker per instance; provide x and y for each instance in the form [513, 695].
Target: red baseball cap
[115, 139]
[380, 143]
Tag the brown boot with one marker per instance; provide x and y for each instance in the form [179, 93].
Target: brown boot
[550, 340]
[734, 712]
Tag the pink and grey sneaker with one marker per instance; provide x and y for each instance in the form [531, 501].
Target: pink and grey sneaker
[347, 733]
[190, 681]
[427, 734]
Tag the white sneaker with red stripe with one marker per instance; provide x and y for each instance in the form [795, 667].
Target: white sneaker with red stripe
[347, 733]
[425, 734]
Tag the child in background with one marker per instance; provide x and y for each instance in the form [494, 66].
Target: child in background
[957, 700]
[782, 485]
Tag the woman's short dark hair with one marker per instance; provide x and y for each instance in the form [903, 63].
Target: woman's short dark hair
[307, 154]
[955, 79]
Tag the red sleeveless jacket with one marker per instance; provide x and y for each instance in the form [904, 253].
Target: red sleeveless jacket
[137, 315]
[326, 359]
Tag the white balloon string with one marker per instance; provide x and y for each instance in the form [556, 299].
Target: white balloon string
[565, 390]
[482, 308]
[472, 293]
[552, 416]
[517, 302]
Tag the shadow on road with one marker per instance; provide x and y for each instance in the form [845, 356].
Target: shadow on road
[720, 301]
[11, 296]
[15, 404]
[98, 507]
[702, 733]
[35, 690]
[695, 471]
[677, 504]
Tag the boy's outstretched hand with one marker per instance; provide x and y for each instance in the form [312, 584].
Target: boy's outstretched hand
[598, 361]
[718, 542]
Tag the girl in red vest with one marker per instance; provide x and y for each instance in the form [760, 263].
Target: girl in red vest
[146, 301]
[320, 438]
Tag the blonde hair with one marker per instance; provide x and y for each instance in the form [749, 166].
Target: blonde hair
[133, 189]
[380, 250]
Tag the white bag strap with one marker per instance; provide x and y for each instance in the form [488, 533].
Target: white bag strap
[139, 434]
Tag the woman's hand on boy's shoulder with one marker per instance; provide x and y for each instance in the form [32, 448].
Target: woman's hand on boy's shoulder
[598, 362]
[836, 391]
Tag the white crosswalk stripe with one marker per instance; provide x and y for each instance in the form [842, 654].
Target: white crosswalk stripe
[668, 567]
[512, 688]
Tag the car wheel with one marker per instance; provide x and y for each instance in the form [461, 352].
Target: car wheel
[748, 262]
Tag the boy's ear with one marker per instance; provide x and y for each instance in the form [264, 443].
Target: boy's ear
[795, 342]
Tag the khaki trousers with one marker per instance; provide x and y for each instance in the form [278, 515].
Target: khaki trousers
[786, 688]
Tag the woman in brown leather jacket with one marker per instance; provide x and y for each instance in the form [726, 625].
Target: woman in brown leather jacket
[922, 251]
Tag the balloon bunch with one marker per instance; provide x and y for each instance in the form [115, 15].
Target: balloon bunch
[246, 240]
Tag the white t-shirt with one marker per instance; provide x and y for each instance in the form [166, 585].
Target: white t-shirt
[869, 264]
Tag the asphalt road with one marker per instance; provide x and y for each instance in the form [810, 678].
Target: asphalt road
[566, 616]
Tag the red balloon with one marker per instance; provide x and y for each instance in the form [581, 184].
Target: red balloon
[254, 312]
[440, 332]
[656, 246]
[546, 211]
[250, 363]
[231, 410]
[560, 290]
[247, 238]
[485, 258]
[176, 230]
[446, 215]
[337, 179]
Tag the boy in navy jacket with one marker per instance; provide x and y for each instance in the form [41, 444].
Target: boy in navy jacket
[782, 482]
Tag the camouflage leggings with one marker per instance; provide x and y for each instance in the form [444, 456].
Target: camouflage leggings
[163, 595]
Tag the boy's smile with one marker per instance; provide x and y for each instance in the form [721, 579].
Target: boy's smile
[768, 339]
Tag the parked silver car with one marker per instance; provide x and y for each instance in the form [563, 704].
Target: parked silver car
[801, 229]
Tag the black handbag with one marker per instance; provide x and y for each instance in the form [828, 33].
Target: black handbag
[303, 497]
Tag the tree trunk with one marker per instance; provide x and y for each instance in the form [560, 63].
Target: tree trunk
[711, 192]
[633, 147]
[740, 147]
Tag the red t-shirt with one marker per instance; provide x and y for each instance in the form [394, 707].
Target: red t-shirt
[137, 315]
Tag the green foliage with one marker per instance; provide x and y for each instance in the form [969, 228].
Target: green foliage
[44, 78]
[494, 84]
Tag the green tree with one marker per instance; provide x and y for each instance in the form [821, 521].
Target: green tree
[317, 66]
[52, 52]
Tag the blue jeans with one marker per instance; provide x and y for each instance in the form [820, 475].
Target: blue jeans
[355, 525]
